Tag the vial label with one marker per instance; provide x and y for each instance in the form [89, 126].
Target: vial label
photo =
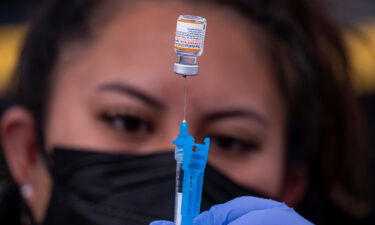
[189, 35]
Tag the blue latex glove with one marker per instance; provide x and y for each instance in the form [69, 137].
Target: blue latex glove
[247, 211]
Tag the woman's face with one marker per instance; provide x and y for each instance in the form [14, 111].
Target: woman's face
[118, 93]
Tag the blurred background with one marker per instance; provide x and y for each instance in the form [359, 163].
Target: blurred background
[356, 17]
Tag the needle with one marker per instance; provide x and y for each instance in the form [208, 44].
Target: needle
[185, 97]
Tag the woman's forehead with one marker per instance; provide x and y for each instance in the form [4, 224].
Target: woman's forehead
[136, 48]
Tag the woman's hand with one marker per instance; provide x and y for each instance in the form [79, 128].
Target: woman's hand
[247, 211]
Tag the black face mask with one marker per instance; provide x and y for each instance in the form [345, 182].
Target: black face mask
[92, 188]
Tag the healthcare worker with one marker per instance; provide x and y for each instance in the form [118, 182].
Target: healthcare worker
[96, 106]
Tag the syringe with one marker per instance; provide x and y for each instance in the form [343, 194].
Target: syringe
[191, 158]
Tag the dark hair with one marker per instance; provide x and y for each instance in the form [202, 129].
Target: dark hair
[55, 23]
[325, 127]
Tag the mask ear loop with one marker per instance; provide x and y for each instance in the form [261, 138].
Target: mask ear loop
[27, 216]
[42, 147]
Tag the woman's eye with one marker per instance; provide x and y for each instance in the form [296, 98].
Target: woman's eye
[233, 144]
[129, 124]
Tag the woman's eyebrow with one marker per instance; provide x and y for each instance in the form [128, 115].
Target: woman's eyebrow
[229, 114]
[128, 90]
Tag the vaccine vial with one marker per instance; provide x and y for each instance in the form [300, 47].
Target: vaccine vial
[189, 43]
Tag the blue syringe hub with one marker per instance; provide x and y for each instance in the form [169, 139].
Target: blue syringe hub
[183, 141]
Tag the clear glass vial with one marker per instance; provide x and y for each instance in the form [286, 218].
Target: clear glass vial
[189, 43]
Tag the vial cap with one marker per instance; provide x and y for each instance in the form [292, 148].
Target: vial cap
[186, 69]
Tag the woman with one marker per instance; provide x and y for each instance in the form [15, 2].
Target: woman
[88, 140]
